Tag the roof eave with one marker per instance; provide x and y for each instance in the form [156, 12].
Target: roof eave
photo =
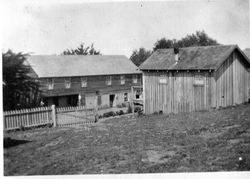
[228, 55]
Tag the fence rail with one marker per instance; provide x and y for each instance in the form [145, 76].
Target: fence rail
[63, 116]
[27, 118]
[74, 115]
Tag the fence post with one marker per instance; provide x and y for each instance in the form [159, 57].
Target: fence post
[53, 107]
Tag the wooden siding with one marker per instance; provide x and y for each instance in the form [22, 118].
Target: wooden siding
[227, 86]
[179, 94]
[232, 82]
[94, 83]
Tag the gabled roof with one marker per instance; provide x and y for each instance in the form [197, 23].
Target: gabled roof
[247, 52]
[80, 65]
[191, 58]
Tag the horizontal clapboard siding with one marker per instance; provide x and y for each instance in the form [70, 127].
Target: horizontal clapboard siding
[94, 83]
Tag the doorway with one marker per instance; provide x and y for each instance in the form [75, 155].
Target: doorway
[111, 100]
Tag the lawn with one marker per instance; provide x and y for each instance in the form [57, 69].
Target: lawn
[217, 140]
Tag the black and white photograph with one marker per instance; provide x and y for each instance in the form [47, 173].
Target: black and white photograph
[125, 88]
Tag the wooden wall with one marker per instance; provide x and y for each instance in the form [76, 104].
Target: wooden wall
[232, 83]
[227, 86]
[179, 94]
[94, 83]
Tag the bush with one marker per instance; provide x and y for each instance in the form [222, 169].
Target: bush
[124, 105]
[120, 112]
[137, 109]
[109, 114]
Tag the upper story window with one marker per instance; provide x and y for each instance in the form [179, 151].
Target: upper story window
[67, 83]
[50, 83]
[122, 80]
[198, 80]
[134, 78]
[84, 82]
[108, 80]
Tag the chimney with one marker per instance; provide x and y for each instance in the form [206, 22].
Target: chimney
[176, 53]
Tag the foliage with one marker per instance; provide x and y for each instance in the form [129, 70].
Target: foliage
[164, 43]
[139, 56]
[20, 90]
[200, 38]
[81, 50]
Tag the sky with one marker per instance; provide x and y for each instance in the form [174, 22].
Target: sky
[118, 28]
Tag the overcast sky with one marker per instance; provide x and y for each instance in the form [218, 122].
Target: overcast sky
[119, 27]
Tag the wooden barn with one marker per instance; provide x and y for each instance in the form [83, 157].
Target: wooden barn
[89, 80]
[195, 78]
[247, 52]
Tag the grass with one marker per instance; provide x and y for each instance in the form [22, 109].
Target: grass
[186, 142]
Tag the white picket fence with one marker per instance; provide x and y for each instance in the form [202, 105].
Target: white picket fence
[66, 116]
[27, 118]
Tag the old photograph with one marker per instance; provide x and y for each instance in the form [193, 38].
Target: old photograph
[125, 87]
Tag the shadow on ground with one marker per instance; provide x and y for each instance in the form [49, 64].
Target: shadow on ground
[8, 142]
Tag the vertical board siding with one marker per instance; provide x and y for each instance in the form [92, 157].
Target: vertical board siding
[226, 86]
[27, 118]
[179, 94]
[231, 82]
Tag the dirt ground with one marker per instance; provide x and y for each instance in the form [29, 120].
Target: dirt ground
[217, 140]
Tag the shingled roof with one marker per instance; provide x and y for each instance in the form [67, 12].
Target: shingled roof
[80, 65]
[190, 58]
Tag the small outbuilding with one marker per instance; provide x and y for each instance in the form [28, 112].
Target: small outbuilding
[195, 78]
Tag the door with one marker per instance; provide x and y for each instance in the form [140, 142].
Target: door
[111, 100]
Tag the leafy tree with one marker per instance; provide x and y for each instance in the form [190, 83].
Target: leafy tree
[163, 43]
[20, 90]
[200, 38]
[81, 50]
[139, 56]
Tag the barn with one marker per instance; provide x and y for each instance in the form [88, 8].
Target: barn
[195, 79]
[88, 80]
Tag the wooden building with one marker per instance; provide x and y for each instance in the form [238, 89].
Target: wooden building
[247, 52]
[67, 80]
[195, 78]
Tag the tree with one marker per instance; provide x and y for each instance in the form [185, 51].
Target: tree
[81, 50]
[200, 38]
[139, 56]
[20, 90]
[163, 43]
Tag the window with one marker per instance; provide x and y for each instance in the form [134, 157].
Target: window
[50, 83]
[122, 80]
[125, 97]
[67, 83]
[134, 78]
[108, 80]
[163, 79]
[84, 82]
[198, 80]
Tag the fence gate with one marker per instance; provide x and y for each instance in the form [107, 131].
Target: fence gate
[66, 116]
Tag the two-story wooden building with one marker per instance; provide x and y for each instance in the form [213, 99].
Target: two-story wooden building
[195, 78]
[91, 80]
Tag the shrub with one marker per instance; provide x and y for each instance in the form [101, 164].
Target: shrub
[124, 105]
[109, 114]
[120, 112]
[137, 109]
